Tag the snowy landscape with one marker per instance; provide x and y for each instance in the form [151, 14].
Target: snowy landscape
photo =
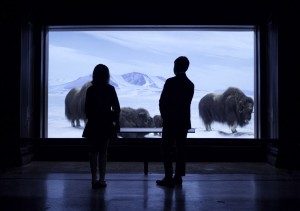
[139, 64]
[134, 90]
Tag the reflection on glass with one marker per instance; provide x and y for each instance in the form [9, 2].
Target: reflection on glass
[140, 61]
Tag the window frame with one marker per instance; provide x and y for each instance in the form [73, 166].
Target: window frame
[257, 65]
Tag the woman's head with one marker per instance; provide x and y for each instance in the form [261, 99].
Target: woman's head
[101, 74]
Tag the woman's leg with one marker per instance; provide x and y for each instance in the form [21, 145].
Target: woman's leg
[102, 160]
[93, 166]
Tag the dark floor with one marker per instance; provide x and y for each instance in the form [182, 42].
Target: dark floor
[207, 186]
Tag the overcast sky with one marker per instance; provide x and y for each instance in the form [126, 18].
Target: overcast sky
[217, 58]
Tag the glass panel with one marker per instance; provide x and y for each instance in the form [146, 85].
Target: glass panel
[141, 60]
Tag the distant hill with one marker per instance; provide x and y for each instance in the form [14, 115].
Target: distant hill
[133, 79]
[129, 80]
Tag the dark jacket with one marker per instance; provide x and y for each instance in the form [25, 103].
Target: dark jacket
[102, 108]
[175, 102]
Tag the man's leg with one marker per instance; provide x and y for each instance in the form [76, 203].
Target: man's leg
[180, 157]
[167, 159]
[166, 147]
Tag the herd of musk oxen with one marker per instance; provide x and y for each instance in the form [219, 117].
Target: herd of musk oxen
[129, 117]
[232, 107]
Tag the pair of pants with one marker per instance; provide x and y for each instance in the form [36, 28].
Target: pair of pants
[171, 137]
[98, 157]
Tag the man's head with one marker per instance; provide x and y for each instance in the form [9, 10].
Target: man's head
[181, 64]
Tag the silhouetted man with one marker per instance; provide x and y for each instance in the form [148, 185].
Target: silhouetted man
[174, 105]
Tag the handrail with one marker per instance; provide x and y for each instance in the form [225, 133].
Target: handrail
[146, 130]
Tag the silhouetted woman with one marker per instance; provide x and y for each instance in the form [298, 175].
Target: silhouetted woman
[102, 111]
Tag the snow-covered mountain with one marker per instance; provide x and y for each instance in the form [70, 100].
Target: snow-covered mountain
[130, 80]
[140, 79]
[77, 83]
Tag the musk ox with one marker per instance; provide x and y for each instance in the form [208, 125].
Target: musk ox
[158, 122]
[75, 105]
[232, 107]
[135, 118]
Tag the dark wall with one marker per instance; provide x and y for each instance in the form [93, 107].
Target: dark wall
[288, 78]
[151, 12]
[10, 84]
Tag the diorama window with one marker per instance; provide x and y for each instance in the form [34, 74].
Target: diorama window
[140, 59]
